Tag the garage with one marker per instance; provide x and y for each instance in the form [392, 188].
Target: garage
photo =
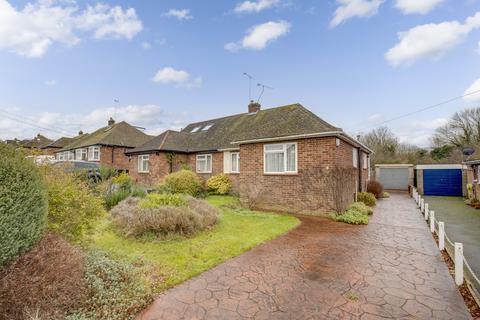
[394, 176]
[440, 180]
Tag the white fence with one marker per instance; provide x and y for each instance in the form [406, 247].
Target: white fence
[463, 271]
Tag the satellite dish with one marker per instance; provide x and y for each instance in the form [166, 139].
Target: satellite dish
[468, 151]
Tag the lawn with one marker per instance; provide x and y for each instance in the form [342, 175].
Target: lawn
[177, 259]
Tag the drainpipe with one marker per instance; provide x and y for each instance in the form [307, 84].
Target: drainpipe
[359, 167]
[113, 148]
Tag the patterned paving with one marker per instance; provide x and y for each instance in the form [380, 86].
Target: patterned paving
[326, 270]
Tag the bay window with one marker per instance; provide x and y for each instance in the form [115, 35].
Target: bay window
[143, 163]
[235, 162]
[204, 163]
[70, 156]
[280, 158]
[81, 154]
[94, 153]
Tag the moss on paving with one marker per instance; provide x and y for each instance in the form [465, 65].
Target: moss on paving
[177, 259]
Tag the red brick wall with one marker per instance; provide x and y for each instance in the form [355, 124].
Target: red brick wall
[217, 164]
[304, 192]
[158, 168]
[120, 160]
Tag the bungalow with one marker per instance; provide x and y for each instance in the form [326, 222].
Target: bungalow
[106, 145]
[277, 159]
[52, 148]
[36, 143]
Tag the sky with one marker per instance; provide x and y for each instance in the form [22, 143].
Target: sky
[69, 65]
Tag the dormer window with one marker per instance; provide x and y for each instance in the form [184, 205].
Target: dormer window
[195, 129]
[208, 126]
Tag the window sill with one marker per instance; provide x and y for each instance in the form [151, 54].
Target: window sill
[280, 174]
[204, 172]
[143, 171]
[232, 173]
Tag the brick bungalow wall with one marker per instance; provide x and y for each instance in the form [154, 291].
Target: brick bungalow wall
[308, 191]
[158, 167]
[49, 151]
[114, 157]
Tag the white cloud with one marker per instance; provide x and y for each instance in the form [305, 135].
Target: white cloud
[475, 86]
[430, 40]
[259, 36]
[32, 30]
[146, 45]
[429, 124]
[179, 78]
[50, 82]
[354, 8]
[183, 14]
[255, 6]
[152, 117]
[417, 6]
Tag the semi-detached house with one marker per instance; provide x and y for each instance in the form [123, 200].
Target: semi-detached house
[277, 158]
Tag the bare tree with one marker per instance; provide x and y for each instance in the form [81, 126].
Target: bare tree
[462, 129]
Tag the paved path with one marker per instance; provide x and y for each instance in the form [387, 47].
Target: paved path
[326, 270]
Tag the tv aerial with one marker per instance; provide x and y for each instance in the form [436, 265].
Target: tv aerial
[263, 90]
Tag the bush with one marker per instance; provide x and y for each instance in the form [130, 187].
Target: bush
[113, 197]
[183, 181]
[385, 194]
[375, 187]
[367, 198]
[352, 216]
[156, 200]
[123, 181]
[219, 184]
[23, 204]
[361, 207]
[115, 288]
[73, 206]
[133, 220]
[47, 280]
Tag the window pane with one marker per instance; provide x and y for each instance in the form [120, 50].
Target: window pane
[235, 162]
[274, 162]
[209, 163]
[274, 147]
[291, 158]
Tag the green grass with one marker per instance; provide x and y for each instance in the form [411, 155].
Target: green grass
[178, 259]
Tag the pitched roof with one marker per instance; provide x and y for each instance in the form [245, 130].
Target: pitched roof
[218, 134]
[60, 143]
[37, 142]
[120, 134]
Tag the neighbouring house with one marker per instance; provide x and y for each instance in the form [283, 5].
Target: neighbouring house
[472, 175]
[52, 148]
[106, 145]
[281, 158]
[441, 179]
[37, 142]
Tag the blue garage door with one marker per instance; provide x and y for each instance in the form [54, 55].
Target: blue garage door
[442, 182]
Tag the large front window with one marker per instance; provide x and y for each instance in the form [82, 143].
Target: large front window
[70, 156]
[204, 163]
[280, 158]
[143, 163]
[61, 156]
[94, 153]
[81, 154]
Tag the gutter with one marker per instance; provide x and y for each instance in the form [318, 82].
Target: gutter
[338, 134]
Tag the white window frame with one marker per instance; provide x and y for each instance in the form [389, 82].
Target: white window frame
[365, 157]
[237, 154]
[61, 156]
[91, 153]
[204, 157]
[79, 153]
[143, 165]
[70, 156]
[355, 157]
[284, 151]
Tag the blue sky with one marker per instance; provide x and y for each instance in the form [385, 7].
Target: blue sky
[62, 63]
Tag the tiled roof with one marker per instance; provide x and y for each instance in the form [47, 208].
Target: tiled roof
[217, 134]
[60, 143]
[120, 134]
[38, 142]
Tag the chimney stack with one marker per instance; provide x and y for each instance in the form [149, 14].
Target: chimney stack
[111, 122]
[80, 132]
[253, 107]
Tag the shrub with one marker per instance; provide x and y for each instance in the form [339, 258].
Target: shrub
[361, 207]
[47, 280]
[113, 197]
[375, 187]
[183, 181]
[123, 181]
[133, 220]
[219, 184]
[156, 200]
[115, 288]
[107, 173]
[23, 204]
[367, 198]
[385, 194]
[352, 216]
[73, 206]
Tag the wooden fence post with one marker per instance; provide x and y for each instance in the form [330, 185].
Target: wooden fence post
[425, 209]
[458, 263]
[432, 221]
[441, 235]
[422, 206]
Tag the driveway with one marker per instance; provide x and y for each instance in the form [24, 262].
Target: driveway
[327, 270]
[462, 224]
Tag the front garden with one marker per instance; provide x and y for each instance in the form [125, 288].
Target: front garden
[72, 248]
